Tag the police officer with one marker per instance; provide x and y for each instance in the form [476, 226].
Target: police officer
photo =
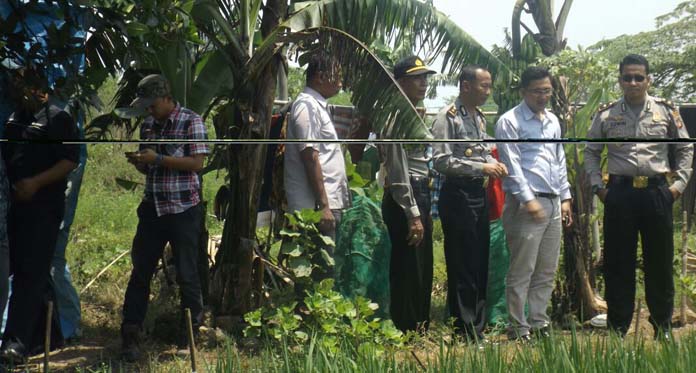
[463, 205]
[639, 195]
[406, 212]
[37, 173]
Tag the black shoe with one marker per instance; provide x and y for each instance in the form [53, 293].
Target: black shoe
[664, 336]
[524, 339]
[13, 352]
[542, 333]
[130, 347]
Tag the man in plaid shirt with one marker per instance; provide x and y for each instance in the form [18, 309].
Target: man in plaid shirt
[170, 210]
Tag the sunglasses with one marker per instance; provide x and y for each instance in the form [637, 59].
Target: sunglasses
[630, 78]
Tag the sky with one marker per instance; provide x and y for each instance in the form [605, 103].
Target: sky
[590, 21]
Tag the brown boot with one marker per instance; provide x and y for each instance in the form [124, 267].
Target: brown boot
[130, 339]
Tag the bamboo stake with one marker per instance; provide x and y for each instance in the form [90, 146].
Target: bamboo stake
[685, 228]
[47, 340]
[121, 255]
[192, 346]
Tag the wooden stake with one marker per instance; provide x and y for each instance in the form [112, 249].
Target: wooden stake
[685, 229]
[192, 346]
[47, 340]
[640, 307]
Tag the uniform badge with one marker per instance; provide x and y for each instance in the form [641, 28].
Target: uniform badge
[468, 152]
[657, 117]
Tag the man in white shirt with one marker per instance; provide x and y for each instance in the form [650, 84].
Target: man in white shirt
[314, 173]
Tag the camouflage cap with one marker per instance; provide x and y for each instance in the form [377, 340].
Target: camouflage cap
[149, 89]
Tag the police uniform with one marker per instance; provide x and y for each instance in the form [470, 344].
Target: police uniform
[463, 208]
[33, 225]
[638, 200]
[406, 196]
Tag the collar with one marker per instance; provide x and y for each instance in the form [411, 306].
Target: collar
[316, 95]
[647, 105]
[170, 119]
[528, 114]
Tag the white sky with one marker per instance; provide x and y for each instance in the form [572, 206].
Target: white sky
[589, 22]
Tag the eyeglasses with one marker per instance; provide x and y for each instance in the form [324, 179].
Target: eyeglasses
[541, 92]
[630, 78]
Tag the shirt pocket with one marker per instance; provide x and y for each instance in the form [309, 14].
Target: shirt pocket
[656, 129]
[617, 129]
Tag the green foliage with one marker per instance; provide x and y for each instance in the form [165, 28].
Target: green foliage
[331, 319]
[506, 92]
[670, 49]
[303, 251]
[585, 72]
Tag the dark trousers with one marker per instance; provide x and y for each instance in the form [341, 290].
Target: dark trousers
[464, 216]
[32, 233]
[628, 212]
[182, 231]
[411, 268]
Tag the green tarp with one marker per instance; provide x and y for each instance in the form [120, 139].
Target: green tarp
[362, 254]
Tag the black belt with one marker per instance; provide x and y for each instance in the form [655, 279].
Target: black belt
[468, 181]
[546, 195]
[419, 179]
[638, 182]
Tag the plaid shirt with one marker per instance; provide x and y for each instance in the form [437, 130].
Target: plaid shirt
[171, 190]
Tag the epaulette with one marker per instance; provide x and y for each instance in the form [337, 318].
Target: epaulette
[664, 102]
[452, 112]
[478, 110]
[606, 106]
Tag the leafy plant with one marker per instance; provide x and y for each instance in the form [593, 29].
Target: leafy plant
[303, 251]
[331, 320]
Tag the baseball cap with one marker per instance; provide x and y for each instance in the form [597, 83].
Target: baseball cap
[411, 66]
[149, 89]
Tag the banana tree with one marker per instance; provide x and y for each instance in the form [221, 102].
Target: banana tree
[550, 33]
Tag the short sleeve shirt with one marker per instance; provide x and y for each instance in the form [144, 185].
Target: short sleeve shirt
[174, 191]
[309, 119]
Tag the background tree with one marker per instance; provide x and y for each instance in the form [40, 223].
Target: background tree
[670, 49]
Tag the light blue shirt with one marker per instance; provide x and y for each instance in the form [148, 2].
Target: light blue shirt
[532, 167]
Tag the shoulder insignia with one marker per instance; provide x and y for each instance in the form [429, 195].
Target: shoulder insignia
[478, 110]
[678, 121]
[606, 106]
[666, 103]
[452, 112]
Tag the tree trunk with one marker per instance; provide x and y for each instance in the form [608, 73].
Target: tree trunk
[233, 277]
[576, 294]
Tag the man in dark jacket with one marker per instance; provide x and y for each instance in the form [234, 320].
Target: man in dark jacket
[37, 168]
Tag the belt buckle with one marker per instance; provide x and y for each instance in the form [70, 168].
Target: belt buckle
[640, 182]
[485, 182]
